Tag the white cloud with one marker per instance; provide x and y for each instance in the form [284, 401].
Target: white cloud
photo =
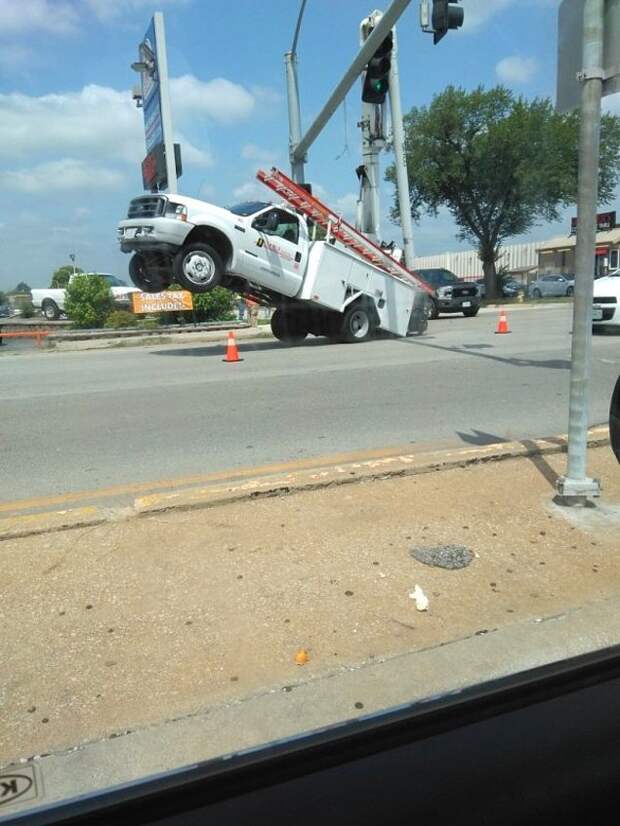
[218, 99]
[101, 123]
[66, 174]
[252, 152]
[109, 9]
[478, 12]
[96, 121]
[251, 191]
[55, 16]
[516, 69]
[267, 95]
[346, 205]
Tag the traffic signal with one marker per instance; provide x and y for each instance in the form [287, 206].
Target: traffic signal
[445, 16]
[377, 80]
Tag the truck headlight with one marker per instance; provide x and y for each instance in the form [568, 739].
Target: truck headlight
[176, 211]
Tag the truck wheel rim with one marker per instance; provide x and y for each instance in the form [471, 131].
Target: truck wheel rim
[360, 324]
[199, 268]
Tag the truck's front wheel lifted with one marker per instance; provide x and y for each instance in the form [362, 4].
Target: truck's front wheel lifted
[357, 324]
[198, 267]
[289, 328]
[145, 277]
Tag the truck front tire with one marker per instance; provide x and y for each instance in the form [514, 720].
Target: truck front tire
[146, 277]
[198, 267]
[50, 310]
[289, 328]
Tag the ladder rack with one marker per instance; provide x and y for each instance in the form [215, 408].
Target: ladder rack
[310, 206]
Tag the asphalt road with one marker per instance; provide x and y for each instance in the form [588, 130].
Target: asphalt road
[79, 421]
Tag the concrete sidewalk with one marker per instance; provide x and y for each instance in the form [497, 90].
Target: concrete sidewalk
[133, 622]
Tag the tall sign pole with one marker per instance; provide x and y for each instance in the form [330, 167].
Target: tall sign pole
[576, 484]
[164, 99]
[162, 164]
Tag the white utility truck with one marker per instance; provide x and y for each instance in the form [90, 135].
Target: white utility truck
[51, 301]
[344, 286]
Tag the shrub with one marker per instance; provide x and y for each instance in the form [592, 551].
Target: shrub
[26, 306]
[88, 301]
[215, 305]
[119, 319]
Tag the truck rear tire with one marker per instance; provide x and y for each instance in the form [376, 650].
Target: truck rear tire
[289, 328]
[357, 324]
[146, 278]
[50, 310]
[198, 267]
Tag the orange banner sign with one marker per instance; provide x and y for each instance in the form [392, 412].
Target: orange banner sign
[169, 301]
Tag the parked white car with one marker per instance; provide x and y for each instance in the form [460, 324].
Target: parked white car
[606, 302]
[51, 302]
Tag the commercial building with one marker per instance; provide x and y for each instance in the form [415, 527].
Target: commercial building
[525, 261]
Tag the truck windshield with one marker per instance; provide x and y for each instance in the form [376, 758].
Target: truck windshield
[438, 278]
[248, 207]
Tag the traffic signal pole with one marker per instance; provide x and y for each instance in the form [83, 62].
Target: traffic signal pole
[294, 117]
[576, 485]
[294, 107]
[396, 8]
[373, 141]
[400, 159]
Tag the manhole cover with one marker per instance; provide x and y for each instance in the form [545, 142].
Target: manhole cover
[444, 556]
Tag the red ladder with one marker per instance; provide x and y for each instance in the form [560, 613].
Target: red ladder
[321, 214]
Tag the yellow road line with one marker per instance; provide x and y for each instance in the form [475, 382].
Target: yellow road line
[200, 479]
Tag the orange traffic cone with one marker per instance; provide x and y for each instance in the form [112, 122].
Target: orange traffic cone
[502, 324]
[232, 354]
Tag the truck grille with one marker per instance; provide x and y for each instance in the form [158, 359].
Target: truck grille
[608, 314]
[609, 299]
[148, 206]
[463, 292]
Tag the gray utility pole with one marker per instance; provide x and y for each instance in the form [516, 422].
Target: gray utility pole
[576, 484]
[164, 97]
[377, 37]
[294, 108]
[400, 160]
[373, 141]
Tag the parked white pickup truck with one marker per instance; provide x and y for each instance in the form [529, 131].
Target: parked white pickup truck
[266, 251]
[51, 302]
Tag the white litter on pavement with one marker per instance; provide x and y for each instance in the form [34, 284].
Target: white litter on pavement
[420, 598]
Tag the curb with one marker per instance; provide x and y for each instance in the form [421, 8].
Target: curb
[282, 484]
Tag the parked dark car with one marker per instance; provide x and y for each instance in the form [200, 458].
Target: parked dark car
[510, 287]
[451, 294]
[5, 311]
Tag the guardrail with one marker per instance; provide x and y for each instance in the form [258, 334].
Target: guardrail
[38, 334]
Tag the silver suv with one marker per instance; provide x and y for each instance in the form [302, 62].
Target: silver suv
[552, 285]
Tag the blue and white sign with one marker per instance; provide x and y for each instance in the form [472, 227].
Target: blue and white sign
[151, 90]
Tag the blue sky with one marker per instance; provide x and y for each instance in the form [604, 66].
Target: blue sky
[71, 140]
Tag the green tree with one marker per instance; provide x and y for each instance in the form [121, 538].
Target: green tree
[3, 298]
[499, 163]
[88, 301]
[61, 276]
[22, 287]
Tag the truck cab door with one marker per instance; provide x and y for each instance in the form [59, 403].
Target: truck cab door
[278, 240]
